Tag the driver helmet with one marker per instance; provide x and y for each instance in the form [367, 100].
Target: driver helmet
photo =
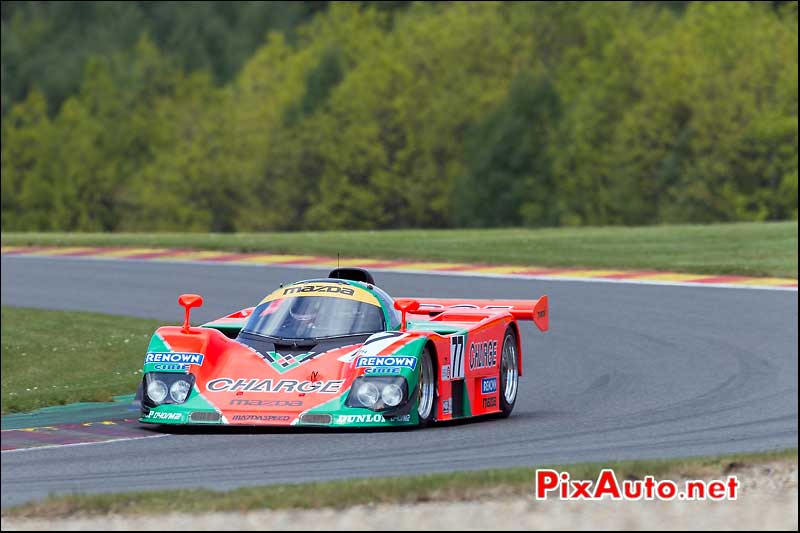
[303, 310]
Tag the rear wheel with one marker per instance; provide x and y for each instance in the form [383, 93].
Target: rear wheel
[426, 389]
[509, 373]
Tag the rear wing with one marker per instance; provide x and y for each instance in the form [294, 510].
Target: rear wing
[534, 310]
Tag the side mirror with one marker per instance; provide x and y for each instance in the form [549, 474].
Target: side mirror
[405, 305]
[188, 301]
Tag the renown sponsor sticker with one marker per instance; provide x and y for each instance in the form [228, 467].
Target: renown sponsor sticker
[386, 361]
[183, 358]
[488, 385]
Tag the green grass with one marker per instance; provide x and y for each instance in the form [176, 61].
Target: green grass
[340, 494]
[756, 249]
[56, 357]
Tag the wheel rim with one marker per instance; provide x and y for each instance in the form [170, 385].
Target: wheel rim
[509, 369]
[426, 387]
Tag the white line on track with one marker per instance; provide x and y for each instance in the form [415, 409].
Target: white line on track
[50, 446]
[430, 273]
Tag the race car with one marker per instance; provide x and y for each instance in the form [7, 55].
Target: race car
[339, 352]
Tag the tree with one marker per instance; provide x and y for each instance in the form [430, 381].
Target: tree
[510, 177]
[27, 195]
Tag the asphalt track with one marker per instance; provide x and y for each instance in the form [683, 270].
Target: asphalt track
[626, 372]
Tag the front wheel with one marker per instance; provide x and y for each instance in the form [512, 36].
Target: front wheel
[509, 373]
[426, 389]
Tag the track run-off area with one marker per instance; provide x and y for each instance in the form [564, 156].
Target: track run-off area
[627, 371]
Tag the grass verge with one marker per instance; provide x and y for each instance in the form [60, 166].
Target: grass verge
[340, 494]
[754, 249]
[57, 357]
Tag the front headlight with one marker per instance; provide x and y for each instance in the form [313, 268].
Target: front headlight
[157, 390]
[162, 388]
[378, 393]
[179, 391]
[392, 395]
[367, 393]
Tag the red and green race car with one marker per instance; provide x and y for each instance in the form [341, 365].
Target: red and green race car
[339, 352]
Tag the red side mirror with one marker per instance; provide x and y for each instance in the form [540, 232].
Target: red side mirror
[188, 301]
[405, 305]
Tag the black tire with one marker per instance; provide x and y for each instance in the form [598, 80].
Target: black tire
[508, 397]
[427, 371]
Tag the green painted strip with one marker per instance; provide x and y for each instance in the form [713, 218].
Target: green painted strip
[122, 407]
[224, 327]
[158, 344]
[442, 328]
[467, 400]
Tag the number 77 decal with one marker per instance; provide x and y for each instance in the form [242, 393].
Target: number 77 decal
[457, 343]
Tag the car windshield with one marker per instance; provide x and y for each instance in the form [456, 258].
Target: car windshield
[309, 317]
